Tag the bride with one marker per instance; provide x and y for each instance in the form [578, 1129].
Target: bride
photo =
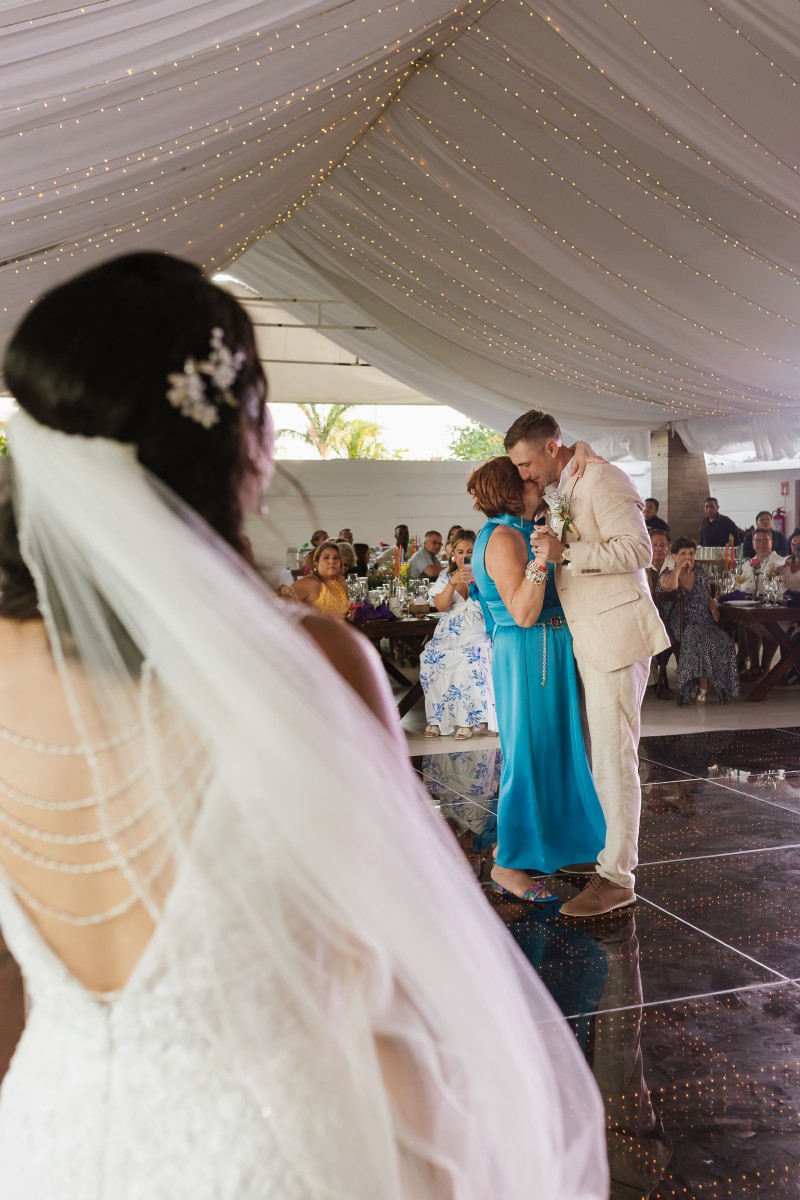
[250, 973]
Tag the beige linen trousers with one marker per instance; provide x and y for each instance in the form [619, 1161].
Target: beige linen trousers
[615, 630]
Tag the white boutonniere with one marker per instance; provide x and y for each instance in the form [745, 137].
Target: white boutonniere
[560, 517]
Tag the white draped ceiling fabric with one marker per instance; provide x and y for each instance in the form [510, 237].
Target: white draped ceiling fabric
[584, 205]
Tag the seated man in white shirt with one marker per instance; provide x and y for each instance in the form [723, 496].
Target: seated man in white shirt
[424, 564]
[760, 651]
[764, 559]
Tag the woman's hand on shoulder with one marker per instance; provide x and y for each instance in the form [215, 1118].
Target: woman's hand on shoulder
[582, 455]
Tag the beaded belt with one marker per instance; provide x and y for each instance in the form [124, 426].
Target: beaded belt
[551, 623]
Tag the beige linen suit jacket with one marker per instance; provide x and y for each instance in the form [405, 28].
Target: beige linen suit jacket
[604, 590]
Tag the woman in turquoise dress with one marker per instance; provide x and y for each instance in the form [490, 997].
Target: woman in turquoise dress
[548, 813]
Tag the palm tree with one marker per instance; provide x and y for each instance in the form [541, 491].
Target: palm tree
[360, 439]
[329, 433]
[325, 426]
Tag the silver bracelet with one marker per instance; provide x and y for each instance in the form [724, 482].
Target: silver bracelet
[535, 573]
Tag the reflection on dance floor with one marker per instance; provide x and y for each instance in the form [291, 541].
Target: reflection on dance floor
[688, 1006]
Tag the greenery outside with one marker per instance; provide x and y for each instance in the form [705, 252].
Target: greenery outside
[335, 435]
[475, 442]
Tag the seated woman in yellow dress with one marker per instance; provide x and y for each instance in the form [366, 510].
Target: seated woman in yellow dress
[324, 589]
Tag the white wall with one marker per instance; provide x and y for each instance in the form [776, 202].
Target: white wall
[743, 494]
[371, 497]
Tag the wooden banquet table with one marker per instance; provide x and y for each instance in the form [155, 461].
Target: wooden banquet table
[416, 630]
[768, 620]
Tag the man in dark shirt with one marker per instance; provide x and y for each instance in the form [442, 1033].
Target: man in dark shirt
[651, 518]
[780, 543]
[717, 529]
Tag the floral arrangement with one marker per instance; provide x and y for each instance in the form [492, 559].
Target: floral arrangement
[560, 514]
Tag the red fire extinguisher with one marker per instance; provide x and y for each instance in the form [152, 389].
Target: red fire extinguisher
[779, 520]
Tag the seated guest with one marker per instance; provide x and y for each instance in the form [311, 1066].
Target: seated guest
[780, 543]
[448, 546]
[319, 535]
[362, 559]
[708, 655]
[345, 535]
[651, 518]
[347, 552]
[424, 564]
[401, 539]
[323, 588]
[662, 559]
[790, 571]
[760, 651]
[718, 529]
[455, 668]
[763, 559]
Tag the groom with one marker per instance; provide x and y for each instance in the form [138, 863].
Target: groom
[600, 549]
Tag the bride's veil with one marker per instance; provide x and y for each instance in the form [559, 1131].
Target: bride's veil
[324, 930]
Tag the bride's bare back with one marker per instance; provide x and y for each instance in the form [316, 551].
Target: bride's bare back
[80, 824]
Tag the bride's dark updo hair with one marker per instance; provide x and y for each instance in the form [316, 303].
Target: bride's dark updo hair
[92, 357]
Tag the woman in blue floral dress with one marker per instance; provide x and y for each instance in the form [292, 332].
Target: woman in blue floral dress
[455, 669]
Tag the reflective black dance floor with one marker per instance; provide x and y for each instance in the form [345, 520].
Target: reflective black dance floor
[687, 1006]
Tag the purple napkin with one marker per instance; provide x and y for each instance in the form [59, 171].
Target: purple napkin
[366, 612]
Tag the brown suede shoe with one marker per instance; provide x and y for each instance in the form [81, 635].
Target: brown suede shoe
[599, 896]
[584, 868]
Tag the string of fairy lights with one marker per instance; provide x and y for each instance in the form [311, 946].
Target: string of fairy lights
[656, 190]
[516, 304]
[332, 128]
[698, 325]
[439, 302]
[356, 85]
[647, 241]
[414, 209]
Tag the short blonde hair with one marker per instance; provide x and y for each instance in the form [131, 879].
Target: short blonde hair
[347, 554]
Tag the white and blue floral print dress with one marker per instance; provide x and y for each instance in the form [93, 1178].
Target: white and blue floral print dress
[455, 669]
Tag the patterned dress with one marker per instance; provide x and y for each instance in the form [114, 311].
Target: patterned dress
[706, 649]
[455, 669]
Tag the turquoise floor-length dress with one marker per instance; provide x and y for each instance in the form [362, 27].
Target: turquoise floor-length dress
[548, 813]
